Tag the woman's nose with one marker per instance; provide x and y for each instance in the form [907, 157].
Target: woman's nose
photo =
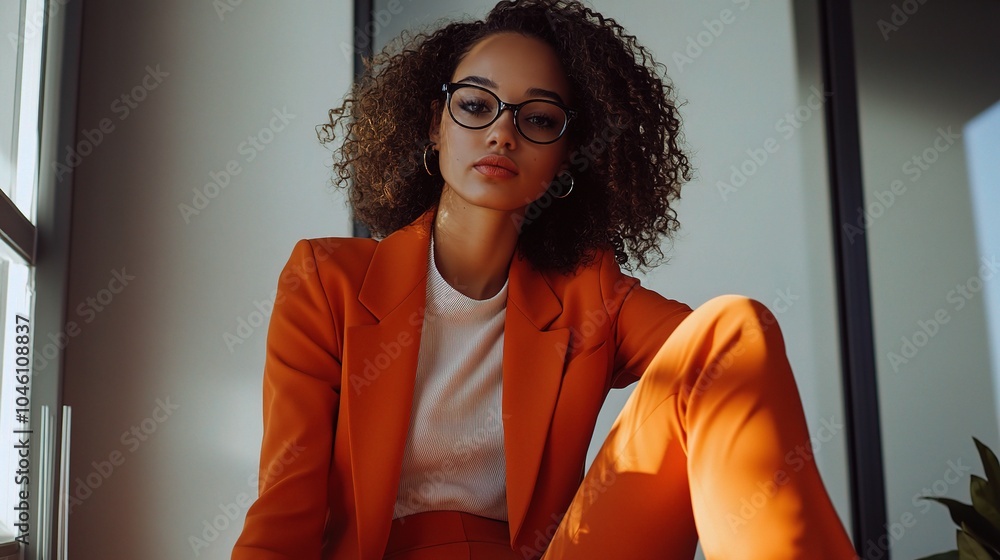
[503, 131]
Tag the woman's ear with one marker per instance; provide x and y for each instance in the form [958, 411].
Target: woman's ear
[434, 131]
[570, 151]
[565, 165]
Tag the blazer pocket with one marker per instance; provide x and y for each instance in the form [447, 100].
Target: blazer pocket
[585, 382]
[585, 353]
[589, 359]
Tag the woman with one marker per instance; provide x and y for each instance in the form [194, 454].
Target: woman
[434, 394]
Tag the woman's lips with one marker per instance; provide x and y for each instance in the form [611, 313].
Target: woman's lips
[496, 165]
[494, 171]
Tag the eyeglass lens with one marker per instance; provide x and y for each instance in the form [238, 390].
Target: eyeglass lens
[539, 121]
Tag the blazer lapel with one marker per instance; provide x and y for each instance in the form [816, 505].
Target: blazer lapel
[534, 356]
[380, 362]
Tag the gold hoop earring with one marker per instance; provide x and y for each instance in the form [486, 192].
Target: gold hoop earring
[426, 168]
[571, 182]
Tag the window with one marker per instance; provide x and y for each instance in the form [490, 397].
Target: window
[22, 25]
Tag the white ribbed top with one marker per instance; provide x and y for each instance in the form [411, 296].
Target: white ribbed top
[454, 458]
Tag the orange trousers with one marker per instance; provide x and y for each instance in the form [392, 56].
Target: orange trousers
[711, 445]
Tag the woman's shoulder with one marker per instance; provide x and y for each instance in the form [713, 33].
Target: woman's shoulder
[341, 250]
[345, 257]
[598, 275]
[602, 263]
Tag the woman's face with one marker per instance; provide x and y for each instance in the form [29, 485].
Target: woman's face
[516, 68]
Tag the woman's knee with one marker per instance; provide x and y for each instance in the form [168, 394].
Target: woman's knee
[745, 310]
[744, 335]
[728, 329]
[751, 322]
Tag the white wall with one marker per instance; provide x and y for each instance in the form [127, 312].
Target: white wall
[160, 339]
[932, 68]
[773, 234]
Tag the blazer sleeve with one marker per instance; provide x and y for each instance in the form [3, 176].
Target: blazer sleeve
[643, 321]
[301, 397]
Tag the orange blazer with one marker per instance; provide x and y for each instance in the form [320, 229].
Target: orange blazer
[341, 358]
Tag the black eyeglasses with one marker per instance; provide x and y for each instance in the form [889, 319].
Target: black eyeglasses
[541, 121]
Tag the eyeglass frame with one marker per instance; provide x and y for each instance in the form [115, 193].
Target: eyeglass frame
[449, 87]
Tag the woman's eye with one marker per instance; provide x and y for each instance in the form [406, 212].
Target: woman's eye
[473, 107]
[541, 121]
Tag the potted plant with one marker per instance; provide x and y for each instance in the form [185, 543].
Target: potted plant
[978, 533]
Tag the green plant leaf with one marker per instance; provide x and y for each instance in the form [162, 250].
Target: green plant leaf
[960, 512]
[966, 517]
[970, 549]
[982, 501]
[992, 467]
[990, 545]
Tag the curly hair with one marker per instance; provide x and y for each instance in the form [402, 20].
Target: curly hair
[626, 156]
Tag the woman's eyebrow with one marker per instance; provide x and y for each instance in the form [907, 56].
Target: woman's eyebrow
[531, 92]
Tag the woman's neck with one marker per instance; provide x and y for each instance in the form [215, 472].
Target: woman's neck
[473, 246]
